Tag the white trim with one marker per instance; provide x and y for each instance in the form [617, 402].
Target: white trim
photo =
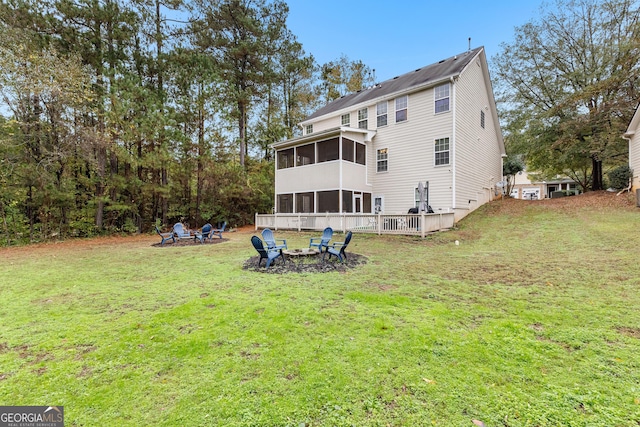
[452, 143]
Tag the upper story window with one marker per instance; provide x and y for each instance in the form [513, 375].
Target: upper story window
[381, 113]
[482, 119]
[308, 129]
[305, 154]
[363, 115]
[361, 154]
[285, 158]
[345, 119]
[401, 109]
[441, 96]
[442, 151]
[328, 150]
[348, 150]
[382, 160]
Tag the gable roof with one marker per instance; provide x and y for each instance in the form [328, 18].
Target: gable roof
[430, 74]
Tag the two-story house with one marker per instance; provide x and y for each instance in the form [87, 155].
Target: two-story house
[367, 152]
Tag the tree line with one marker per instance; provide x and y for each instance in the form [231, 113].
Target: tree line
[118, 115]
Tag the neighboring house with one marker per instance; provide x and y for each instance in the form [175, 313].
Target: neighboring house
[529, 187]
[366, 152]
[633, 135]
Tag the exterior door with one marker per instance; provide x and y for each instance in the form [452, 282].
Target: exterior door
[378, 204]
[357, 203]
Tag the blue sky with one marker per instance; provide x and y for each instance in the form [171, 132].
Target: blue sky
[396, 37]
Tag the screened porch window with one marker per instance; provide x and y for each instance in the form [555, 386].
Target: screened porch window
[285, 158]
[328, 150]
[347, 150]
[306, 155]
[285, 203]
[361, 154]
[366, 202]
[304, 203]
[347, 201]
[329, 201]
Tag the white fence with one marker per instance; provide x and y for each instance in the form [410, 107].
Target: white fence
[409, 224]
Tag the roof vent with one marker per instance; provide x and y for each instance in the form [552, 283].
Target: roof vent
[395, 77]
[440, 62]
[418, 70]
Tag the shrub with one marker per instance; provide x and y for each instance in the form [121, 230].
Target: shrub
[619, 177]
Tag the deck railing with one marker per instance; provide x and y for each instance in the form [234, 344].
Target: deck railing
[408, 224]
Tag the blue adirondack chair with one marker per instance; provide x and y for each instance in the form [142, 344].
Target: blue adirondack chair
[165, 236]
[271, 241]
[205, 233]
[322, 242]
[337, 249]
[180, 232]
[269, 254]
[218, 231]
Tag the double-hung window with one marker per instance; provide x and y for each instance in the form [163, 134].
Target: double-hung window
[442, 151]
[345, 119]
[363, 115]
[309, 129]
[401, 109]
[382, 160]
[381, 111]
[441, 96]
[482, 119]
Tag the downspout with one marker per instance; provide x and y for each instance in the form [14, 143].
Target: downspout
[275, 184]
[453, 147]
[340, 174]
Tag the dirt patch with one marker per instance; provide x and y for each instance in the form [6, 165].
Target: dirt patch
[306, 266]
[629, 331]
[191, 242]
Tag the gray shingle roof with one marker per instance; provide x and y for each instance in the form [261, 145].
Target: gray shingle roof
[431, 73]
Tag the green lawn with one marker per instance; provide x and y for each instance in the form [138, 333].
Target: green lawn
[532, 320]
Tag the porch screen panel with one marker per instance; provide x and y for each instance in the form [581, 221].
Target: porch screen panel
[285, 158]
[361, 154]
[328, 150]
[347, 150]
[366, 202]
[305, 154]
[304, 203]
[285, 203]
[347, 201]
[329, 201]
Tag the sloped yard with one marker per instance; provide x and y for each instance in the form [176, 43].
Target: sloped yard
[531, 320]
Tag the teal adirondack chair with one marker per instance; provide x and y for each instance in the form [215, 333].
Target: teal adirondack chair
[269, 254]
[180, 232]
[165, 236]
[218, 231]
[271, 241]
[322, 242]
[337, 249]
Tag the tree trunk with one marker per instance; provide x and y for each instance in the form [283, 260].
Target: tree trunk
[241, 130]
[596, 166]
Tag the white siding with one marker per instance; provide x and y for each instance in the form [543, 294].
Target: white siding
[354, 177]
[634, 148]
[411, 156]
[477, 150]
[316, 177]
